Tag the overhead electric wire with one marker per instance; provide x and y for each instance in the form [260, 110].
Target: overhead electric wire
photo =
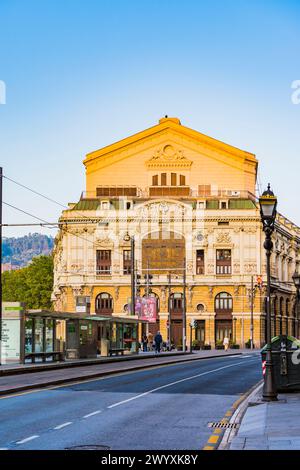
[43, 196]
[30, 215]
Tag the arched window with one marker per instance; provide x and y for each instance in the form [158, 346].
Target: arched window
[104, 304]
[281, 306]
[287, 307]
[223, 302]
[275, 306]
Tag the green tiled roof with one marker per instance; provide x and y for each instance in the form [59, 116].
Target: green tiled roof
[86, 205]
[241, 204]
[212, 204]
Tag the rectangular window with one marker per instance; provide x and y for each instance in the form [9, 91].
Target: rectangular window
[103, 261]
[127, 262]
[173, 179]
[223, 261]
[83, 304]
[163, 179]
[204, 190]
[182, 180]
[155, 180]
[200, 262]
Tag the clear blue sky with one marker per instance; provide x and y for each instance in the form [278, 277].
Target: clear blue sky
[81, 74]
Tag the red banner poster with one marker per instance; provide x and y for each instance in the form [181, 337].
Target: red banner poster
[148, 309]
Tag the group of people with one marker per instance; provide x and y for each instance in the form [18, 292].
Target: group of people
[149, 342]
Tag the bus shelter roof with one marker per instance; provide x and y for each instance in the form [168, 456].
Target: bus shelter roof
[38, 313]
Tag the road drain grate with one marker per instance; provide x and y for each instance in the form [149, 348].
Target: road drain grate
[223, 425]
[88, 447]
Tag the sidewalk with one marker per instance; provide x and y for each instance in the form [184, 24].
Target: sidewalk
[270, 426]
[13, 383]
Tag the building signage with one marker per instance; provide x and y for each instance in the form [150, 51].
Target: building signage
[12, 332]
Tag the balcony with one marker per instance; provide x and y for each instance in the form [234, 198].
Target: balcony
[170, 191]
[134, 192]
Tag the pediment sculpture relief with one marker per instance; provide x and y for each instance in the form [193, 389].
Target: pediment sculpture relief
[168, 157]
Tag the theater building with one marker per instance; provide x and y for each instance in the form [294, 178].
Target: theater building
[190, 202]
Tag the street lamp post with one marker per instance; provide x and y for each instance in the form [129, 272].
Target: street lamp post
[296, 279]
[268, 204]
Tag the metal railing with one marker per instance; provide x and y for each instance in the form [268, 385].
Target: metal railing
[165, 191]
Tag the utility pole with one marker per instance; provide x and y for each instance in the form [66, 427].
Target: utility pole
[147, 280]
[132, 246]
[251, 315]
[184, 310]
[1, 180]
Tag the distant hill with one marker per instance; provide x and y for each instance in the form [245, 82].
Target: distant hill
[20, 251]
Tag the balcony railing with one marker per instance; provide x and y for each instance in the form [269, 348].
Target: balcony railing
[166, 191]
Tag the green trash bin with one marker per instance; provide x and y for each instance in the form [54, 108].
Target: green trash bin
[286, 362]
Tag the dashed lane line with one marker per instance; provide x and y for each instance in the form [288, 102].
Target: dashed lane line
[27, 439]
[92, 414]
[63, 425]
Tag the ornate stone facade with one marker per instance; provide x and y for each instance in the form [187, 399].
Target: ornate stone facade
[171, 183]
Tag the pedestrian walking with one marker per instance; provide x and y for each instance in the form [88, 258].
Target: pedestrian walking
[145, 343]
[150, 341]
[158, 340]
[226, 343]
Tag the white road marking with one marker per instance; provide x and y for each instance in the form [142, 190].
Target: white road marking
[172, 383]
[27, 439]
[63, 425]
[92, 414]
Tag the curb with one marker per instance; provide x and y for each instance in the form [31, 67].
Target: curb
[240, 407]
[35, 386]
[90, 362]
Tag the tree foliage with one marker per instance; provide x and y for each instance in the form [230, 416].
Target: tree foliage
[32, 285]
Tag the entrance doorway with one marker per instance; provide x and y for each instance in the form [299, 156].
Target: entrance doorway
[176, 310]
[200, 332]
[223, 330]
[176, 332]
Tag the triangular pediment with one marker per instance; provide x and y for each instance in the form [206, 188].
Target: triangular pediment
[167, 127]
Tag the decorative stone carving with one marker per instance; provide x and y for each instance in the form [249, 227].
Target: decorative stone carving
[236, 290]
[250, 229]
[77, 290]
[236, 267]
[103, 242]
[116, 268]
[210, 268]
[163, 294]
[190, 296]
[76, 266]
[168, 157]
[117, 292]
[223, 237]
[189, 266]
[250, 268]
[210, 291]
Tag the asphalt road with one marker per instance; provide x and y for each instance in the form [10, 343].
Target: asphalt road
[167, 407]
